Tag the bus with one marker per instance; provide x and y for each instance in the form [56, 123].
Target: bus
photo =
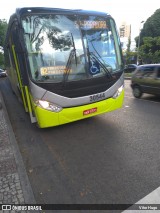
[64, 65]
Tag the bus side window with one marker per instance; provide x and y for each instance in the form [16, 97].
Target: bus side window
[19, 55]
[11, 57]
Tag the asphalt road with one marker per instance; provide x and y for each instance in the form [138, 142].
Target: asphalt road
[113, 158]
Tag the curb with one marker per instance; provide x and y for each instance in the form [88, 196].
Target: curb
[24, 180]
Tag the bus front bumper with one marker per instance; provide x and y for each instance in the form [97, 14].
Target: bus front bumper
[46, 118]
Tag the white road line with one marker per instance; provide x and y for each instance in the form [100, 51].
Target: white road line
[151, 199]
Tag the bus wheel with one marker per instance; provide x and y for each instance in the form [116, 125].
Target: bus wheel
[137, 92]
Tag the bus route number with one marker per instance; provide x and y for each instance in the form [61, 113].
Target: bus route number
[97, 97]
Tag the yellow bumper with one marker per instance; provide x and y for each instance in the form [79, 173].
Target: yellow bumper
[47, 118]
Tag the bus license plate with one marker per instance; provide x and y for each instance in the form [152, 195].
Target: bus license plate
[90, 111]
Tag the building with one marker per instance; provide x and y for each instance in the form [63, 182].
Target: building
[125, 34]
[125, 30]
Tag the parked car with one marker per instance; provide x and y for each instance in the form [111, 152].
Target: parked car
[146, 79]
[130, 68]
[3, 73]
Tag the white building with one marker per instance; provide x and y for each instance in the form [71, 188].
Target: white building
[125, 35]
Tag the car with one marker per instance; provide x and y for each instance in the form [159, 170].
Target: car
[130, 68]
[146, 79]
[3, 73]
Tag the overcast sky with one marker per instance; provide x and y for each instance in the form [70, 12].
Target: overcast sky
[133, 12]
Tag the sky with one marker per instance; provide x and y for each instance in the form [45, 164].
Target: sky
[132, 12]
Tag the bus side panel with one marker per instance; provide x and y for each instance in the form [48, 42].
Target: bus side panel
[11, 70]
[13, 80]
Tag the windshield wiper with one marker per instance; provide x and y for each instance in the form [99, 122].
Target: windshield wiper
[101, 64]
[71, 55]
[68, 66]
[96, 58]
[74, 48]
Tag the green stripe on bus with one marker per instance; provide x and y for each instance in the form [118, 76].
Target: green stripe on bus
[28, 99]
[19, 78]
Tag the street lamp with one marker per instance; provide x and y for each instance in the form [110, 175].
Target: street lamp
[139, 41]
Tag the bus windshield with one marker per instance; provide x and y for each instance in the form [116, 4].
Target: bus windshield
[71, 47]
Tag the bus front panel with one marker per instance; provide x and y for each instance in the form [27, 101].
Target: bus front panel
[47, 118]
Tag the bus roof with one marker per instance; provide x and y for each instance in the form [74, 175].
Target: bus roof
[25, 10]
[29, 10]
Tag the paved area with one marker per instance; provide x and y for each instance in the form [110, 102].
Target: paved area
[15, 187]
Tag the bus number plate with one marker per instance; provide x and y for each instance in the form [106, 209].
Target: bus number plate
[97, 97]
[90, 111]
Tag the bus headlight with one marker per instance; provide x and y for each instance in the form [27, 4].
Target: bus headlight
[48, 106]
[118, 92]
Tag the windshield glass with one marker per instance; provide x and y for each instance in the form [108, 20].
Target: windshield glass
[68, 48]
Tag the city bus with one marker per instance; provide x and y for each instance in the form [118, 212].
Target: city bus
[64, 65]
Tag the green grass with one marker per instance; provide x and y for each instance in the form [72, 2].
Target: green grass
[127, 74]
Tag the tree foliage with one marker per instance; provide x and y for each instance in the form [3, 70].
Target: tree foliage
[129, 56]
[151, 27]
[149, 49]
[3, 29]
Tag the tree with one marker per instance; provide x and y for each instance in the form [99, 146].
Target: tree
[151, 27]
[149, 44]
[3, 29]
[129, 56]
[150, 50]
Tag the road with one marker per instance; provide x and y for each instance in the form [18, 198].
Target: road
[113, 158]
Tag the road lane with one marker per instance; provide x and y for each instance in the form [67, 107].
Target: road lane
[111, 158]
[145, 97]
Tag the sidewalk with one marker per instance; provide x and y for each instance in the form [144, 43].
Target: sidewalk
[15, 187]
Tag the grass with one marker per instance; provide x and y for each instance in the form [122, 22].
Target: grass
[127, 74]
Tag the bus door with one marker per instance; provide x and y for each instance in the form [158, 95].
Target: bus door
[19, 61]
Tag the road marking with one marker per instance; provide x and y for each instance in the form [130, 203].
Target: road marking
[151, 199]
